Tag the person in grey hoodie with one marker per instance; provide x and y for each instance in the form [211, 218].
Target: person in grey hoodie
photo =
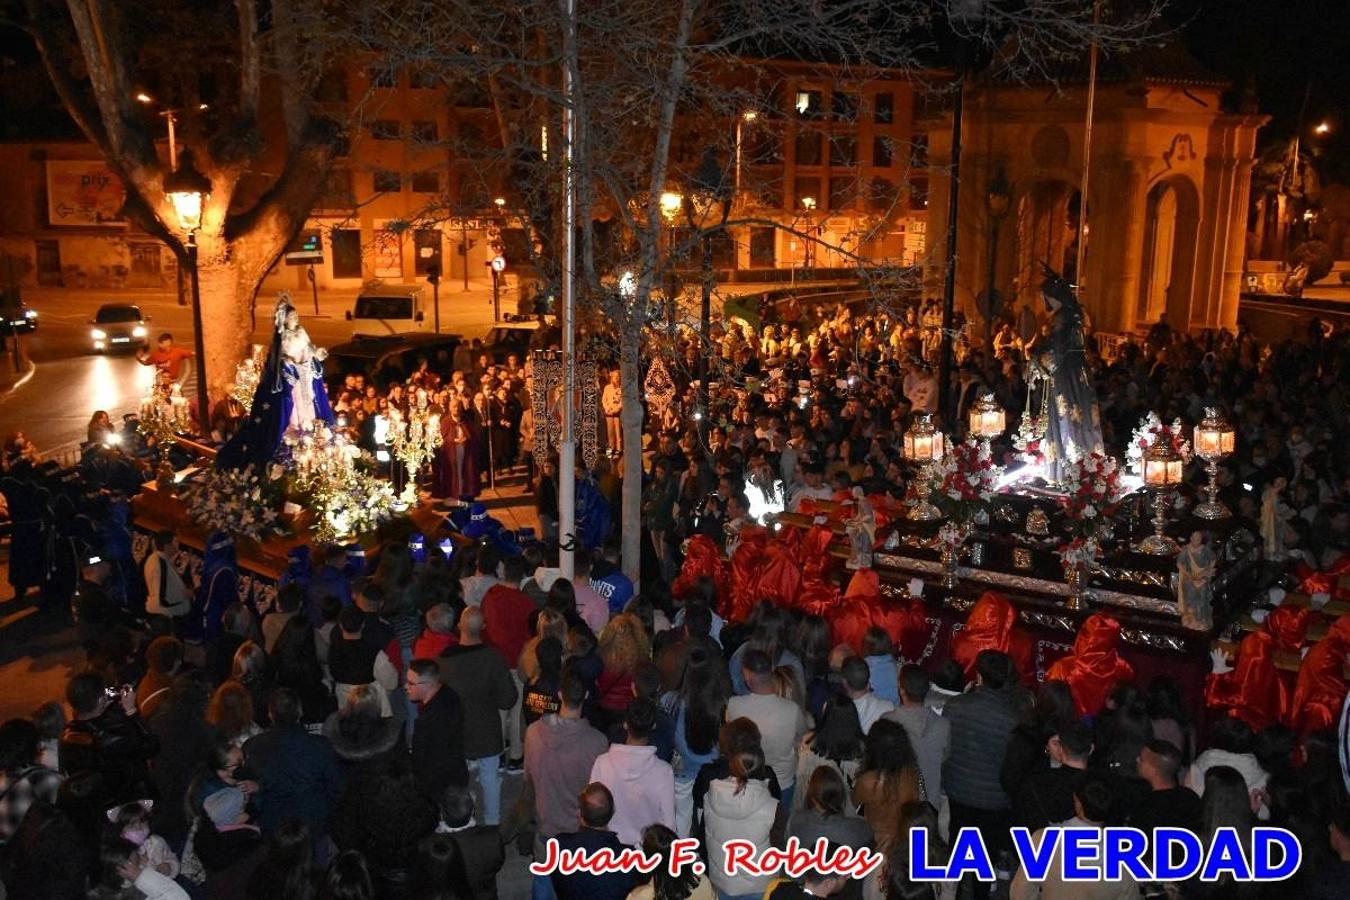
[929, 733]
[560, 751]
[643, 786]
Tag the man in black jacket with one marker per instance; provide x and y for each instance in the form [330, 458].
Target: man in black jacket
[480, 845]
[438, 738]
[107, 737]
[493, 692]
[297, 772]
[596, 806]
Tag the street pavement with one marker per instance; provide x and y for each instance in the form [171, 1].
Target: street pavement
[71, 381]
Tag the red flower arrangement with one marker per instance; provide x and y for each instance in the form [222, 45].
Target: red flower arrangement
[1094, 494]
[966, 479]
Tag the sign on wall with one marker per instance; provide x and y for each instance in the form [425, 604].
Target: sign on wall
[82, 192]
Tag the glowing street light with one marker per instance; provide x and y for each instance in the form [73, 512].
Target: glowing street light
[1322, 128]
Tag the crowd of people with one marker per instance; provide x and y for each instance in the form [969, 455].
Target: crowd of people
[401, 726]
[398, 734]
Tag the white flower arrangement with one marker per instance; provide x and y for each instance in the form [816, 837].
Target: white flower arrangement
[240, 503]
[1151, 429]
[1081, 552]
[952, 534]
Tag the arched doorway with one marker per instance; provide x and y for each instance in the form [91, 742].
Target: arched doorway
[1171, 225]
[1047, 232]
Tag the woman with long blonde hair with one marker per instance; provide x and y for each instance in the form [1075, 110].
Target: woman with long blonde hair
[623, 646]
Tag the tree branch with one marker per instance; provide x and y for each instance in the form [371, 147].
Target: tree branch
[250, 61]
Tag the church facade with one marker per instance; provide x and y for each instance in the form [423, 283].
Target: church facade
[1167, 199]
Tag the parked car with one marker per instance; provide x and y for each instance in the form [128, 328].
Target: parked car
[18, 318]
[119, 326]
[516, 336]
[386, 358]
[388, 313]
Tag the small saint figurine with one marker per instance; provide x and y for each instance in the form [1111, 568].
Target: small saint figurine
[862, 531]
[1195, 591]
[1275, 515]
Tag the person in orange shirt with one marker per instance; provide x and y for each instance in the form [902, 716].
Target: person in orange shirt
[167, 357]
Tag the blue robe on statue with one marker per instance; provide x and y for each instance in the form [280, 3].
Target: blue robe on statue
[259, 439]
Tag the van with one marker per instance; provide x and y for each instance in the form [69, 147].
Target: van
[382, 313]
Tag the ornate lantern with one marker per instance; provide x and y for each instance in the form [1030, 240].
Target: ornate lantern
[987, 419]
[1162, 472]
[924, 445]
[1214, 439]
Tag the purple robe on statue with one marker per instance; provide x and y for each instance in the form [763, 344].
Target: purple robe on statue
[456, 466]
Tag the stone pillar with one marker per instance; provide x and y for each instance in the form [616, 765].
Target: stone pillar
[1237, 246]
[1120, 294]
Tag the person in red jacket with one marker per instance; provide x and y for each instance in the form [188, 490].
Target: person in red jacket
[506, 629]
[439, 633]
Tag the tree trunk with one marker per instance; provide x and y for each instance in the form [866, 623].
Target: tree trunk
[630, 377]
[228, 280]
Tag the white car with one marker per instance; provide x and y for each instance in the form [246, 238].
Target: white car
[119, 326]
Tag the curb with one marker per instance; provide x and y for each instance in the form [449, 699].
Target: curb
[23, 379]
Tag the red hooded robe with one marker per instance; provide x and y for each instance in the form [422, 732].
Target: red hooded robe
[1094, 667]
[1321, 681]
[991, 625]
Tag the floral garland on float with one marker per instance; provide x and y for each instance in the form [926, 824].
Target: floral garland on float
[1151, 430]
[1093, 497]
[333, 477]
[240, 502]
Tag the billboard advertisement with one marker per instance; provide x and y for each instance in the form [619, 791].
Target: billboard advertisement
[82, 192]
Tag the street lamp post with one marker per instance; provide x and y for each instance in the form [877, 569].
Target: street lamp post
[748, 116]
[707, 193]
[187, 190]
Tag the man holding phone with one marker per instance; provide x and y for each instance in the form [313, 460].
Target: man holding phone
[106, 737]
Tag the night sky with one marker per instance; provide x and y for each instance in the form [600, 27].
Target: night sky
[1290, 48]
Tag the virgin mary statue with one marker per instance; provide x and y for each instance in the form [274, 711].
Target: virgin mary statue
[290, 395]
[1073, 426]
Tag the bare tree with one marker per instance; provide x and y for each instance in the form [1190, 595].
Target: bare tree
[227, 71]
[650, 72]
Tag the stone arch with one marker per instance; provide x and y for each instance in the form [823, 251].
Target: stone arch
[1047, 231]
[1171, 233]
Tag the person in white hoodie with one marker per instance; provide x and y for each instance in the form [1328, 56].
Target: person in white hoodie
[739, 808]
[643, 786]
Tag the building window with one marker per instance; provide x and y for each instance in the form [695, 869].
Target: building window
[424, 79]
[342, 145]
[425, 132]
[881, 195]
[759, 148]
[808, 148]
[918, 157]
[346, 253]
[382, 77]
[472, 142]
[387, 182]
[843, 150]
[845, 104]
[804, 188]
[763, 247]
[809, 104]
[883, 108]
[332, 87]
[426, 182]
[918, 193]
[883, 152]
[337, 190]
[843, 192]
[385, 130]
